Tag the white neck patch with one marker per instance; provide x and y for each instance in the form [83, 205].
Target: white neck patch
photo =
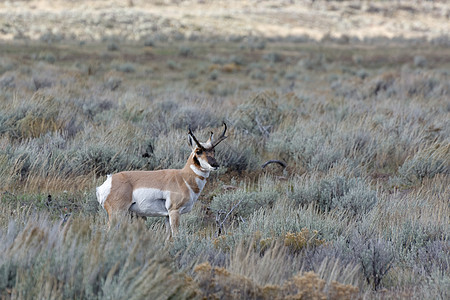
[200, 183]
[204, 174]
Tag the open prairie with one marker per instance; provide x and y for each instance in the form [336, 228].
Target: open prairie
[352, 96]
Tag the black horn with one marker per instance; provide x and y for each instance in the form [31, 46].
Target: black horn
[222, 137]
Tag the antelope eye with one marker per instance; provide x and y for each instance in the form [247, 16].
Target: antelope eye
[199, 152]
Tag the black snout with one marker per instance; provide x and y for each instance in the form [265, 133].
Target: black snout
[212, 162]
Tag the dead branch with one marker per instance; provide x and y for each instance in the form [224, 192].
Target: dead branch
[220, 224]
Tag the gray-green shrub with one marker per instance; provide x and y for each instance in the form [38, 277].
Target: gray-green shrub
[259, 115]
[242, 202]
[426, 163]
[335, 192]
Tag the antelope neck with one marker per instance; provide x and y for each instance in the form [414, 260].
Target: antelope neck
[191, 166]
[200, 172]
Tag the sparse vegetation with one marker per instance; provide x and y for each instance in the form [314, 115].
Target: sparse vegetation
[360, 209]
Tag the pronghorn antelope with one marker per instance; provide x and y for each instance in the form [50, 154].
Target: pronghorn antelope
[163, 193]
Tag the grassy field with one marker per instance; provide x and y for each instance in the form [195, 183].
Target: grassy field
[360, 211]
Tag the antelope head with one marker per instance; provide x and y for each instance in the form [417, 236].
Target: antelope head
[203, 154]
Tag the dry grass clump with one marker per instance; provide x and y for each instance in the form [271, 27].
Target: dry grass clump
[218, 283]
[296, 241]
[293, 242]
[29, 119]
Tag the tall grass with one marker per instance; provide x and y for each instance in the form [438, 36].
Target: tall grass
[81, 259]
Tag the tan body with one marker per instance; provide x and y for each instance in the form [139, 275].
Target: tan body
[163, 193]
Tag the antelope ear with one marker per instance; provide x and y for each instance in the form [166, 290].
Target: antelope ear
[211, 138]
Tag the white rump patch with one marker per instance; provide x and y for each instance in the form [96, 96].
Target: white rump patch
[103, 190]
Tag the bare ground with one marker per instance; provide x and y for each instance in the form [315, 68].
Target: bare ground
[137, 20]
